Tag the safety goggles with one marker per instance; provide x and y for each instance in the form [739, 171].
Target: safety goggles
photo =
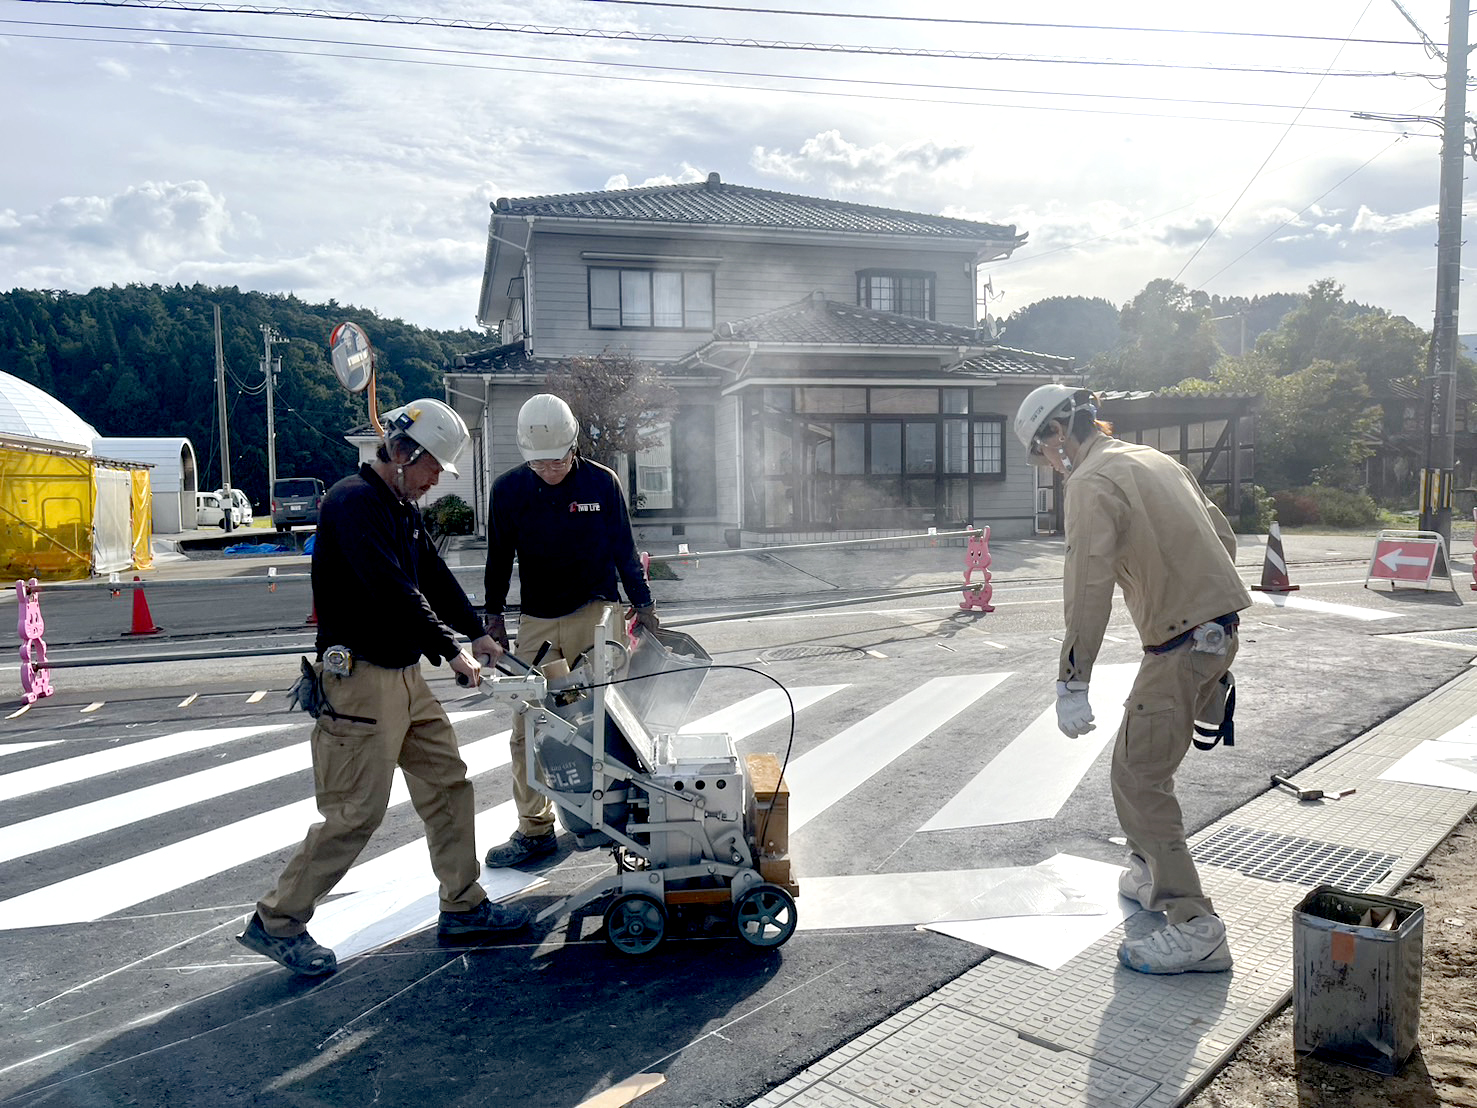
[552, 465]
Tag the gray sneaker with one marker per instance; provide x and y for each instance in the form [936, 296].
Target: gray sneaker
[522, 849]
[486, 921]
[1195, 946]
[297, 953]
[1135, 882]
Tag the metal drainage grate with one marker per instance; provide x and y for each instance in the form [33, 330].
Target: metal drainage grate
[1464, 638]
[1275, 857]
[794, 653]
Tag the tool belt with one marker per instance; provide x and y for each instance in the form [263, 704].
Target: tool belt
[307, 694]
[1207, 736]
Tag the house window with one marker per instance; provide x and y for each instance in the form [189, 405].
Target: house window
[989, 446]
[901, 291]
[678, 476]
[656, 299]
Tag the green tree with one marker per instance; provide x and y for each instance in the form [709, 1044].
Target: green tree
[1168, 336]
[1077, 327]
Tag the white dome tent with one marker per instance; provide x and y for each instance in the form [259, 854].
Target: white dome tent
[27, 412]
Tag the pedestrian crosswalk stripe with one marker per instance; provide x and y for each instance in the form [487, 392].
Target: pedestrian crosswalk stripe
[1033, 777]
[754, 713]
[16, 748]
[109, 813]
[108, 889]
[69, 772]
[822, 776]
[1351, 611]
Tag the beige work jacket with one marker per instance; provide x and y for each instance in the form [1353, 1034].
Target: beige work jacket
[1136, 518]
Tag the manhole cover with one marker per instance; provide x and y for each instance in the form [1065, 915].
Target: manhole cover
[1298, 861]
[795, 653]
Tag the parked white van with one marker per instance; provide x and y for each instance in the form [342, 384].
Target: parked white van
[209, 513]
[243, 506]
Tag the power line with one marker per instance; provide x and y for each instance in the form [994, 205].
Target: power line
[662, 68]
[1252, 179]
[701, 40]
[1006, 23]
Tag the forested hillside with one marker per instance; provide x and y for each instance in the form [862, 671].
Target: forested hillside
[140, 360]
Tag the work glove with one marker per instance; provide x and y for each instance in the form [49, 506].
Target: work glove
[497, 630]
[1073, 712]
[645, 616]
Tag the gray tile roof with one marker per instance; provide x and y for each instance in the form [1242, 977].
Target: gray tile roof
[1006, 361]
[714, 203]
[817, 321]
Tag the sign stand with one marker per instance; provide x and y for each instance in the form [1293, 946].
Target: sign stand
[1409, 558]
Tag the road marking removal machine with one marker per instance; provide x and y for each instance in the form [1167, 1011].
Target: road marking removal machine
[690, 822]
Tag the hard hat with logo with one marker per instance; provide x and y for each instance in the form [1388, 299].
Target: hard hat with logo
[1045, 404]
[434, 427]
[546, 428]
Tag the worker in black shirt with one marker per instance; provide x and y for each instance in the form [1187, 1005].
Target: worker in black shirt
[384, 599]
[565, 519]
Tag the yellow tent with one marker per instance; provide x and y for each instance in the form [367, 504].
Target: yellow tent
[65, 515]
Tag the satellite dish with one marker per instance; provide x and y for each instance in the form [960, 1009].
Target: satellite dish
[353, 358]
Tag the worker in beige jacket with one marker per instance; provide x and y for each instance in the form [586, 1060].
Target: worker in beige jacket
[1136, 518]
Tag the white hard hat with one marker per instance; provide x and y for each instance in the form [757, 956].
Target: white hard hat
[546, 428]
[1042, 405]
[432, 425]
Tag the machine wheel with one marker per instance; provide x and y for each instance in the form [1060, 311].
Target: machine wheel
[764, 915]
[635, 923]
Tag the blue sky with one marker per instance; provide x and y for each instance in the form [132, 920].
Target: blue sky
[355, 159]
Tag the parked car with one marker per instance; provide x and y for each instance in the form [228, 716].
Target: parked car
[244, 514]
[295, 501]
[209, 513]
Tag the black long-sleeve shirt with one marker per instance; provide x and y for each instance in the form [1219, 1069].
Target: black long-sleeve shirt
[379, 587]
[571, 540]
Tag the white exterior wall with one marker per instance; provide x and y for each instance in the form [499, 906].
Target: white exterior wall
[174, 477]
[752, 277]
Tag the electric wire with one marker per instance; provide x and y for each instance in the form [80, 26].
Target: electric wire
[1000, 22]
[708, 86]
[1270, 153]
[1258, 244]
[603, 34]
[445, 50]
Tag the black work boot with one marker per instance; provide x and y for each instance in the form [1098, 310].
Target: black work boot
[522, 849]
[298, 953]
[486, 921]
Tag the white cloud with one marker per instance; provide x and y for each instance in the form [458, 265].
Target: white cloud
[146, 224]
[842, 166]
[1373, 223]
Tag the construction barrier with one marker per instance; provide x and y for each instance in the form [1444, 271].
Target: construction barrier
[35, 675]
[977, 557]
[1274, 565]
[1409, 558]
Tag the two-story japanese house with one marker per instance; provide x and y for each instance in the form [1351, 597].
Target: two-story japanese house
[834, 379]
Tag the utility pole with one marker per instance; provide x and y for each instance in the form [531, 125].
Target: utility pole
[227, 506]
[1436, 478]
[270, 369]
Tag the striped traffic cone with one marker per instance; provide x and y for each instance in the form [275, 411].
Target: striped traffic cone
[1274, 567]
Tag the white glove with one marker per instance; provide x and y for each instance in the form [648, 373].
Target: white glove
[1073, 712]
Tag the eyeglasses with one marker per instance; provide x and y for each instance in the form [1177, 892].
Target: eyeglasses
[552, 465]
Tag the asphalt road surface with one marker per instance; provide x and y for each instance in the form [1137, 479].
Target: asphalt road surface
[145, 807]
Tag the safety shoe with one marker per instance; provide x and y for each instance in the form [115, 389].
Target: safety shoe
[1196, 946]
[1135, 882]
[297, 953]
[486, 921]
[521, 849]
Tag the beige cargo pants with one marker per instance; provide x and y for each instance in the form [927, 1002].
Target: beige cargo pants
[353, 770]
[1169, 694]
[569, 636]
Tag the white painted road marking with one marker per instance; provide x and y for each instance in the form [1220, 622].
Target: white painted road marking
[822, 776]
[1291, 600]
[1035, 775]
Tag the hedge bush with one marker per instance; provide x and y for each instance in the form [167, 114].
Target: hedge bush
[451, 515]
[1325, 504]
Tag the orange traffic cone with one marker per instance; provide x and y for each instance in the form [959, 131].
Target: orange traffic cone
[1274, 567]
[143, 621]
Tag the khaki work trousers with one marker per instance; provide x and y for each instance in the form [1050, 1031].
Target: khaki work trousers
[1170, 693]
[353, 769]
[569, 636]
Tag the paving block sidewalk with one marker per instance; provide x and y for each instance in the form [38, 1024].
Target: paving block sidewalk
[1014, 1035]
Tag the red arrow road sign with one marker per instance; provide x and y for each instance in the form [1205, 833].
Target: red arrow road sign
[1403, 560]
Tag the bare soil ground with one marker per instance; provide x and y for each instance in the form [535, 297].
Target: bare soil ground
[1267, 1073]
